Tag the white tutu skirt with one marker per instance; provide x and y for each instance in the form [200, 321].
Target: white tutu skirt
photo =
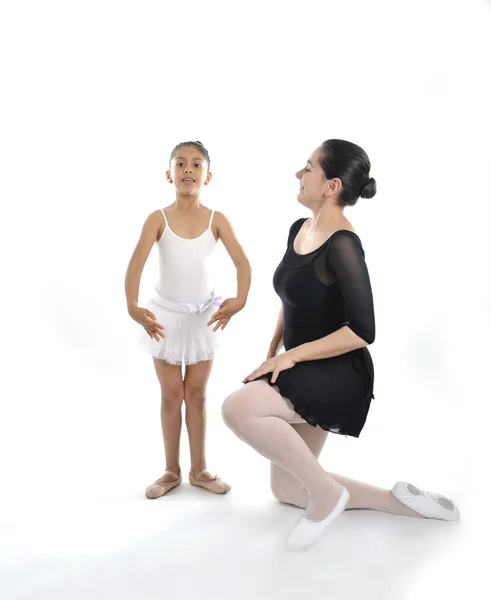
[188, 339]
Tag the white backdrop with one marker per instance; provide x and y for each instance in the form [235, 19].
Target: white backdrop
[95, 96]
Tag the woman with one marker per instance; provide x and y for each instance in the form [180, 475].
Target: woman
[324, 380]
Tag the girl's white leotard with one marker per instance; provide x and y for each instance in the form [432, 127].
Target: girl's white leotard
[183, 274]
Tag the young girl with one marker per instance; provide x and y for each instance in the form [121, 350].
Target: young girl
[179, 319]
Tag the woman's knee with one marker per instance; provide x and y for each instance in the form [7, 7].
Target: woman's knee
[234, 407]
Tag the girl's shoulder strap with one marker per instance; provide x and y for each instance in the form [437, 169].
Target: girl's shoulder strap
[211, 218]
[163, 214]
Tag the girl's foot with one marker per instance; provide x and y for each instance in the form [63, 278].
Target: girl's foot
[163, 485]
[432, 506]
[308, 532]
[213, 484]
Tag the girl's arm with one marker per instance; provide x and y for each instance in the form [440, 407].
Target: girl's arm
[237, 254]
[231, 306]
[150, 234]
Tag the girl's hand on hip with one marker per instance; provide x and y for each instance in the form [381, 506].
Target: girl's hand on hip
[273, 365]
[148, 321]
[227, 309]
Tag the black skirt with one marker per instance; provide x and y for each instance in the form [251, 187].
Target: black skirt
[333, 393]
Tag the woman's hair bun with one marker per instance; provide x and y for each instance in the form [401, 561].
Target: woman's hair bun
[370, 189]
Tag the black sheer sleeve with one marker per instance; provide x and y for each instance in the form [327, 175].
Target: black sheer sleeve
[346, 261]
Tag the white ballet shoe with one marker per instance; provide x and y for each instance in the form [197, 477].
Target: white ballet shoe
[308, 532]
[432, 506]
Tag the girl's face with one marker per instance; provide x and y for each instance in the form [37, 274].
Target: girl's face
[313, 183]
[188, 171]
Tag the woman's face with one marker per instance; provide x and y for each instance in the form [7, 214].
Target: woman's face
[189, 171]
[313, 183]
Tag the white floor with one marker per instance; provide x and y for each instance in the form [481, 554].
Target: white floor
[75, 523]
[191, 545]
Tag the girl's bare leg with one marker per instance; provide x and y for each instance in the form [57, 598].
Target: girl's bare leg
[195, 381]
[172, 393]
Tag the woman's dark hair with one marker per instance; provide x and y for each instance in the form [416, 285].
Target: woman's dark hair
[349, 163]
[198, 145]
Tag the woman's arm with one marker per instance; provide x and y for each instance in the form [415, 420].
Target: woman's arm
[341, 341]
[346, 260]
[150, 233]
[277, 340]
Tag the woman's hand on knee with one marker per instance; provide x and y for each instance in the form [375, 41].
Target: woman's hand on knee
[273, 365]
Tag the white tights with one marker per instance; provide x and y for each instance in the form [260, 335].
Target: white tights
[267, 421]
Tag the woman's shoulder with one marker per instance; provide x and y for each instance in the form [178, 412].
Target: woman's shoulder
[298, 223]
[343, 243]
[295, 227]
[344, 237]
